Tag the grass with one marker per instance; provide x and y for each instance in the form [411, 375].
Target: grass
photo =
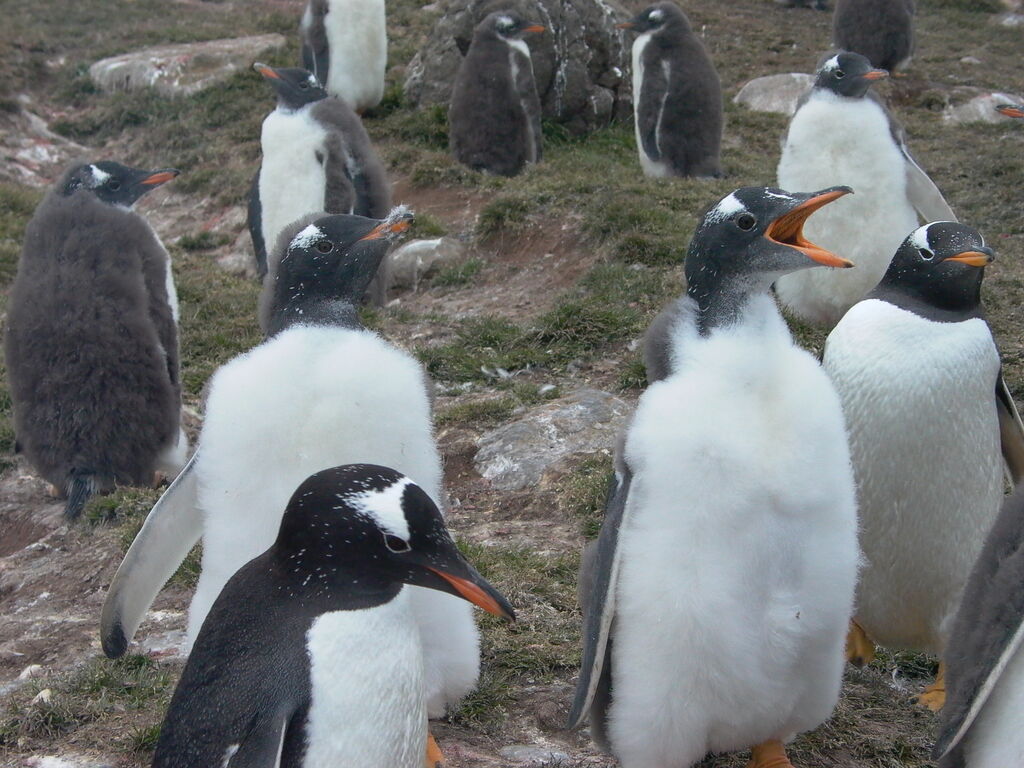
[583, 492]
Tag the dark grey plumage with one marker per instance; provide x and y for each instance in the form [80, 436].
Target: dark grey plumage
[991, 611]
[92, 343]
[494, 116]
[316, 55]
[880, 30]
[678, 99]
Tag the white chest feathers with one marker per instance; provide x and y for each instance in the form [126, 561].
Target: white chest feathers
[358, 45]
[518, 58]
[293, 178]
[645, 101]
[834, 140]
[367, 695]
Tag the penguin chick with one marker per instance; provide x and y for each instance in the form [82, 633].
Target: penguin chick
[717, 596]
[317, 157]
[345, 44]
[839, 135]
[322, 389]
[928, 416]
[494, 116]
[92, 337]
[311, 655]
[980, 722]
[677, 96]
[880, 30]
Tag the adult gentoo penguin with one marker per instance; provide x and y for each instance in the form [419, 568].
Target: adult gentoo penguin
[980, 726]
[316, 157]
[345, 44]
[311, 655]
[880, 30]
[839, 135]
[677, 97]
[321, 389]
[928, 416]
[717, 597]
[92, 337]
[494, 116]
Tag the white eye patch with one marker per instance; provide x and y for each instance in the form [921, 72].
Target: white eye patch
[656, 15]
[99, 177]
[307, 237]
[726, 208]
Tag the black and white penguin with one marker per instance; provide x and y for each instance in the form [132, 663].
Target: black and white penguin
[321, 390]
[880, 30]
[980, 724]
[930, 421]
[345, 44]
[92, 337]
[677, 97]
[311, 654]
[494, 116]
[317, 157]
[717, 596]
[840, 135]
[1011, 110]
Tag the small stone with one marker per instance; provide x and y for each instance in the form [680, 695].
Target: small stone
[420, 258]
[775, 93]
[32, 670]
[520, 753]
[970, 60]
[181, 70]
[1012, 20]
[43, 697]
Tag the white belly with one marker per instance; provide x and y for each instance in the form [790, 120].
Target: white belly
[358, 45]
[292, 181]
[367, 696]
[650, 167]
[996, 739]
[835, 141]
[919, 399]
[739, 557]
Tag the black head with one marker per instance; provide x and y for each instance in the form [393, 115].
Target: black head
[507, 25]
[113, 183]
[847, 74]
[940, 266]
[657, 17]
[1011, 110]
[748, 240]
[295, 87]
[375, 525]
[327, 260]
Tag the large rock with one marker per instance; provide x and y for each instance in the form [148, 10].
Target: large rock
[34, 154]
[516, 456]
[420, 258]
[775, 93]
[181, 70]
[580, 63]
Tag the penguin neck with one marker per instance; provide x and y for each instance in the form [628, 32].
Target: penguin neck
[327, 582]
[722, 301]
[952, 303]
[322, 311]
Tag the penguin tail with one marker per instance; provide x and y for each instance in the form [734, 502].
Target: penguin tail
[81, 485]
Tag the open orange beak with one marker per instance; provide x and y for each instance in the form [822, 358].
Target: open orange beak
[788, 229]
[475, 595]
[160, 177]
[875, 74]
[535, 28]
[1011, 111]
[266, 71]
[973, 258]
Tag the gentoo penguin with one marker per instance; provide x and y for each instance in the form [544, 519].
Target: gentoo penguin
[320, 390]
[345, 44]
[928, 415]
[494, 116]
[880, 30]
[310, 657]
[717, 597]
[316, 157]
[92, 337]
[1011, 110]
[839, 135]
[677, 98]
[981, 721]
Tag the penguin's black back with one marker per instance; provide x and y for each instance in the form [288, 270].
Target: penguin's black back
[91, 345]
[488, 126]
[880, 30]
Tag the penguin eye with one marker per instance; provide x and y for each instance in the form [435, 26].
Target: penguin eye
[396, 544]
[304, 85]
[746, 222]
[113, 185]
[839, 74]
[325, 246]
[926, 254]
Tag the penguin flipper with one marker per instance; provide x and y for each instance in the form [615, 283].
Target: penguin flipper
[527, 90]
[599, 573]
[1011, 431]
[256, 226]
[172, 528]
[262, 746]
[921, 190]
[658, 339]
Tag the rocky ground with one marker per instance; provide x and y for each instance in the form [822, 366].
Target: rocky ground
[529, 327]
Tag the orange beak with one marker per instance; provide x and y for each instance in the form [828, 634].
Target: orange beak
[876, 74]
[535, 28]
[266, 71]
[788, 230]
[973, 258]
[475, 594]
[389, 227]
[1011, 111]
[625, 25]
[160, 177]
